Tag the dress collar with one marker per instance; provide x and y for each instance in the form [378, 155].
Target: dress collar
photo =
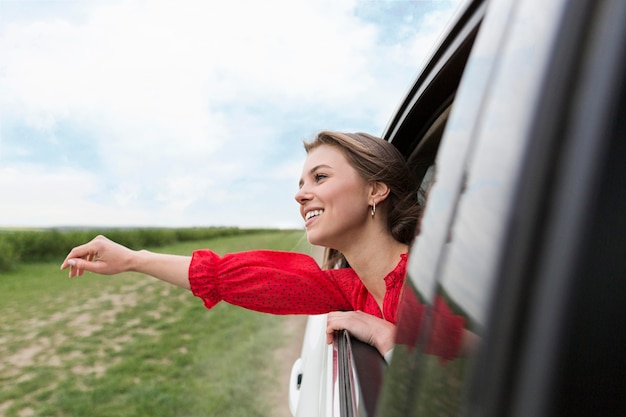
[397, 275]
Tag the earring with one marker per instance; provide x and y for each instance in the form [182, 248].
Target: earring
[373, 209]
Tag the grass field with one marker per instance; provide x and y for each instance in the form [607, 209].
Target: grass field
[130, 345]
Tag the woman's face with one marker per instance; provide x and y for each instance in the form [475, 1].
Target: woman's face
[333, 198]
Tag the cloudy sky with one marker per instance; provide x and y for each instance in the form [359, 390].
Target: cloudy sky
[190, 113]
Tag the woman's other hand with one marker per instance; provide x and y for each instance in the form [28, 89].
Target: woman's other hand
[365, 327]
[101, 256]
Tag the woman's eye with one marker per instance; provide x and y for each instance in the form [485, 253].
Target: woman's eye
[319, 177]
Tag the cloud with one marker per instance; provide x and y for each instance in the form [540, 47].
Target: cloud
[190, 112]
[32, 197]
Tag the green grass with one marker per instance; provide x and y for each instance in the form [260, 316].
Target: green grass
[129, 345]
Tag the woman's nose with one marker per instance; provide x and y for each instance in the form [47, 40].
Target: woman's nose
[302, 196]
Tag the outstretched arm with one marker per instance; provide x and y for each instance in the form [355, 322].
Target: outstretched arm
[105, 257]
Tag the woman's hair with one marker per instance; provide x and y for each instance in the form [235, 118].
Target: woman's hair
[377, 160]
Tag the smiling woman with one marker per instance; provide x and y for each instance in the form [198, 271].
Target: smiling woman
[358, 199]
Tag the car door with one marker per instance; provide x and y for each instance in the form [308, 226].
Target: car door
[525, 174]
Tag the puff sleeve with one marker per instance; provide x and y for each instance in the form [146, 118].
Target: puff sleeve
[270, 282]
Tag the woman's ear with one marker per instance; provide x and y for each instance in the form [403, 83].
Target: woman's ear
[379, 192]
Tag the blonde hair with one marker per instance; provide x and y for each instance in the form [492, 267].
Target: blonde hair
[377, 160]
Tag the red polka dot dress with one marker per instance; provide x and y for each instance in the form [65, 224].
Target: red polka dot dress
[288, 283]
[292, 283]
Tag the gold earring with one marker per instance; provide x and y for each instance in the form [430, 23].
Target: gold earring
[373, 209]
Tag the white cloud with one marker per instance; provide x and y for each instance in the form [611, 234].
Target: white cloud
[176, 107]
[33, 197]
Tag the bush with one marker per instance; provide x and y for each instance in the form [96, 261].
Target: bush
[53, 244]
[8, 256]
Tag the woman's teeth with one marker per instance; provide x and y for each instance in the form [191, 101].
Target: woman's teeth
[313, 213]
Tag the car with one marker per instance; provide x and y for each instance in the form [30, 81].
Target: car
[516, 126]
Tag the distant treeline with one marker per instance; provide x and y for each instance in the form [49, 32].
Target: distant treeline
[53, 244]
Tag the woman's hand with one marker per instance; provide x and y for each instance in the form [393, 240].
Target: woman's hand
[365, 327]
[101, 256]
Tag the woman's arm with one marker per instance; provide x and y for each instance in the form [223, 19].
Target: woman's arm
[105, 257]
[267, 281]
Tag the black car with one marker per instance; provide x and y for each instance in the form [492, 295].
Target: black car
[517, 127]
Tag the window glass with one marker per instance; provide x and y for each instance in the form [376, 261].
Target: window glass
[467, 212]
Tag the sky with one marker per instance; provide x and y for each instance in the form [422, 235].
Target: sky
[150, 113]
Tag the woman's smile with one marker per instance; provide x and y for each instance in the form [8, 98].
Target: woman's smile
[311, 215]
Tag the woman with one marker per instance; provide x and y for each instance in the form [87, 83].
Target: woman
[358, 200]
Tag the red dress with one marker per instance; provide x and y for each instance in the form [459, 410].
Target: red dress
[293, 283]
[288, 283]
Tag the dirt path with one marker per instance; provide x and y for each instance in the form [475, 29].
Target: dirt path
[285, 357]
[39, 341]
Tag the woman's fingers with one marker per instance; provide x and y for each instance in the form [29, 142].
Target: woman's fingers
[78, 252]
[100, 255]
[365, 327]
[358, 323]
[74, 260]
[78, 266]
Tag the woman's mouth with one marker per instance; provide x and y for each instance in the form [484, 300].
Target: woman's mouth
[313, 213]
